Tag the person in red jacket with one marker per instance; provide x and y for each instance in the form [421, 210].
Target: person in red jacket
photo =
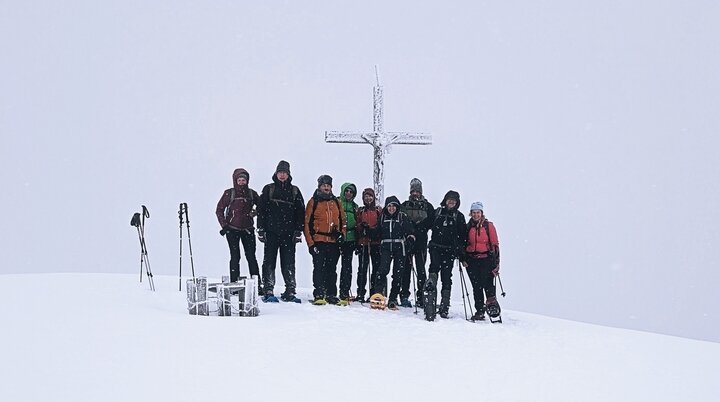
[236, 215]
[482, 259]
[368, 243]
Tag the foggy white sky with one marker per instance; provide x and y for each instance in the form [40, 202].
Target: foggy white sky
[589, 131]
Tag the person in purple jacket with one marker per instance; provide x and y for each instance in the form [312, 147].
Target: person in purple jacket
[236, 215]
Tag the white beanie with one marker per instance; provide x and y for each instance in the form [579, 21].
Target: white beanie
[476, 205]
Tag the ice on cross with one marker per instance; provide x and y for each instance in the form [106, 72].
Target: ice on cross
[379, 139]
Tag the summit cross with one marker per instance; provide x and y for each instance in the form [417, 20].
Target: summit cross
[379, 139]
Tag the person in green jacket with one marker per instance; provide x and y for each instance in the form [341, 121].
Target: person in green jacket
[349, 243]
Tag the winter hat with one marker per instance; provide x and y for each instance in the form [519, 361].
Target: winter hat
[283, 166]
[454, 195]
[416, 185]
[477, 205]
[240, 172]
[324, 179]
[368, 191]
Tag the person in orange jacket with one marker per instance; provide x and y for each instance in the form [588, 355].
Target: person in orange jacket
[482, 260]
[325, 228]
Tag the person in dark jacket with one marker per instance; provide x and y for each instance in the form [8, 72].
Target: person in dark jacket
[368, 231]
[325, 223]
[280, 224]
[396, 234]
[481, 258]
[449, 235]
[236, 215]
[421, 214]
[349, 243]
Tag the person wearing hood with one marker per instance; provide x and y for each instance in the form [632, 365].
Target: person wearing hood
[449, 235]
[421, 213]
[396, 237]
[236, 214]
[281, 214]
[482, 259]
[348, 245]
[325, 229]
[368, 232]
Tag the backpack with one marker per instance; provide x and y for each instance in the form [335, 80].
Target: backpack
[232, 198]
[272, 190]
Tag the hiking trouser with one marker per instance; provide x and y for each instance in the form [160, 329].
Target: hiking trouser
[481, 277]
[325, 269]
[346, 251]
[247, 237]
[285, 245]
[368, 253]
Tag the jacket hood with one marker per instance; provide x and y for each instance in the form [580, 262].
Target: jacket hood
[454, 195]
[237, 173]
[346, 186]
[391, 200]
[371, 192]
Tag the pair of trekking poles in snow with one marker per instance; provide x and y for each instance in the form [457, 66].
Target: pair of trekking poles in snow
[138, 221]
[464, 290]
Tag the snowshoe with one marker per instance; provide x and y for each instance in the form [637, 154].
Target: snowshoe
[332, 299]
[359, 299]
[444, 311]
[319, 301]
[429, 299]
[392, 305]
[493, 310]
[377, 301]
[290, 298]
[405, 303]
[270, 298]
[343, 302]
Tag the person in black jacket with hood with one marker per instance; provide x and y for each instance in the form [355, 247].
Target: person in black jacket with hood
[449, 236]
[396, 234]
[281, 216]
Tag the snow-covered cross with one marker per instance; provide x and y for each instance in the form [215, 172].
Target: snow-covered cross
[379, 139]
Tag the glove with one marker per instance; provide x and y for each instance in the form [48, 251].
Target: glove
[296, 236]
[410, 242]
[340, 238]
[223, 231]
[261, 235]
[313, 250]
[496, 271]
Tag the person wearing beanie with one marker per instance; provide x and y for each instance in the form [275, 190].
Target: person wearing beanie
[396, 237]
[368, 219]
[236, 216]
[325, 229]
[449, 235]
[348, 245]
[421, 213]
[281, 216]
[482, 261]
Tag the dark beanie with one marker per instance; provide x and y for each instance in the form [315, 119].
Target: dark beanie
[283, 167]
[324, 179]
[416, 185]
[368, 191]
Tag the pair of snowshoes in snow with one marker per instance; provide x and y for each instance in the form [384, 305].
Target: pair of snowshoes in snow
[429, 298]
[286, 297]
[492, 308]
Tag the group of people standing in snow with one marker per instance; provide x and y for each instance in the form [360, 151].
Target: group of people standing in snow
[393, 238]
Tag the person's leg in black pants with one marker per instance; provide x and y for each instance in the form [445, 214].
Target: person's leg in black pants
[346, 251]
[249, 245]
[272, 243]
[287, 262]
[233, 238]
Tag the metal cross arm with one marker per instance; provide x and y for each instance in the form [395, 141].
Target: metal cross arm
[409, 138]
[349, 137]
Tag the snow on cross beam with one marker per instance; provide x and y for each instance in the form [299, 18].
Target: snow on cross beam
[379, 139]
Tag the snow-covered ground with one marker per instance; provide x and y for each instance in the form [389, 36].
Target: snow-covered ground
[106, 337]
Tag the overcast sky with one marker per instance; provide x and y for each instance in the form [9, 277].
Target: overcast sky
[588, 130]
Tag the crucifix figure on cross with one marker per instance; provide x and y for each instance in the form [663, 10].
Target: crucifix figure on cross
[379, 139]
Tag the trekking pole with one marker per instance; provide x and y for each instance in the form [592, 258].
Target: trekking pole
[148, 270]
[501, 286]
[187, 225]
[414, 274]
[180, 216]
[462, 289]
[464, 284]
[135, 221]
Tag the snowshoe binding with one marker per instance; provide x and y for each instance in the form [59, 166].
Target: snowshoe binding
[319, 301]
[493, 310]
[377, 302]
[430, 298]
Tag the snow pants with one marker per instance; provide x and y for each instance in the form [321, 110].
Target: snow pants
[346, 251]
[325, 269]
[441, 261]
[234, 237]
[481, 277]
[285, 244]
[390, 256]
[368, 253]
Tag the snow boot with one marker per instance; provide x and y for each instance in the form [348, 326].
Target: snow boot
[319, 301]
[404, 302]
[479, 315]
[332, 300]
[444, 303]
[392, 305]
[270, 298]
[430, 297]
[290, 297]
